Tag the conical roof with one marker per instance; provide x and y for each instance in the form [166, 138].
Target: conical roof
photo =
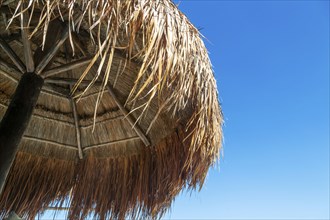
[128, 115]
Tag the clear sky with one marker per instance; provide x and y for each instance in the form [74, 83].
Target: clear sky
[271, 62]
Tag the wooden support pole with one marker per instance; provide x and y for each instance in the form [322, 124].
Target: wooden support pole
[12, 55]
[20, 109]
[129, 118]
[16, 120]
[66, 67]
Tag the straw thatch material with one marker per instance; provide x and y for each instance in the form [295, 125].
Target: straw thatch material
[158, 67]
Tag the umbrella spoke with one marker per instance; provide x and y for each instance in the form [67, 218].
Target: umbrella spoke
[13, 74]
[76, 122]
[129, 118]
[69, 81]
[111, 143]
[52, 51]
[29, 62]
[66, 67]
[12, 55]
[9, 70]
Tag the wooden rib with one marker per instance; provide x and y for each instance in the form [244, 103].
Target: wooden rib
[29, 62]
[103, 121]
[76, 122]
[45, 141]
[65, 93]
[5, 9]
[9, 70]
[60, 121]
[12, 73]
[129, 118]
[5, 21]
[7, 2]
[12, 55]
[69, 123]
[111, 143]
[46, 117]
[11, 37]
[3, 105]
[77, 43]
[87, 95]
[68, 81]
[52, 52]
[66, 67]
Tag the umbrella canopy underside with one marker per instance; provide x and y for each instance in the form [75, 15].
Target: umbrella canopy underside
[82, 149]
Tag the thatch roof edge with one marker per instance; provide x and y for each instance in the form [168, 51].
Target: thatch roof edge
[138, 186]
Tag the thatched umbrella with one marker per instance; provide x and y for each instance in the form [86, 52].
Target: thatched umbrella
[109, 107]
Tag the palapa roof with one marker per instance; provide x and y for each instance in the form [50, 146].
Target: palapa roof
[81, 147]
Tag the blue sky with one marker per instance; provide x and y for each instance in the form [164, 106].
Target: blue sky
[271, 62]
